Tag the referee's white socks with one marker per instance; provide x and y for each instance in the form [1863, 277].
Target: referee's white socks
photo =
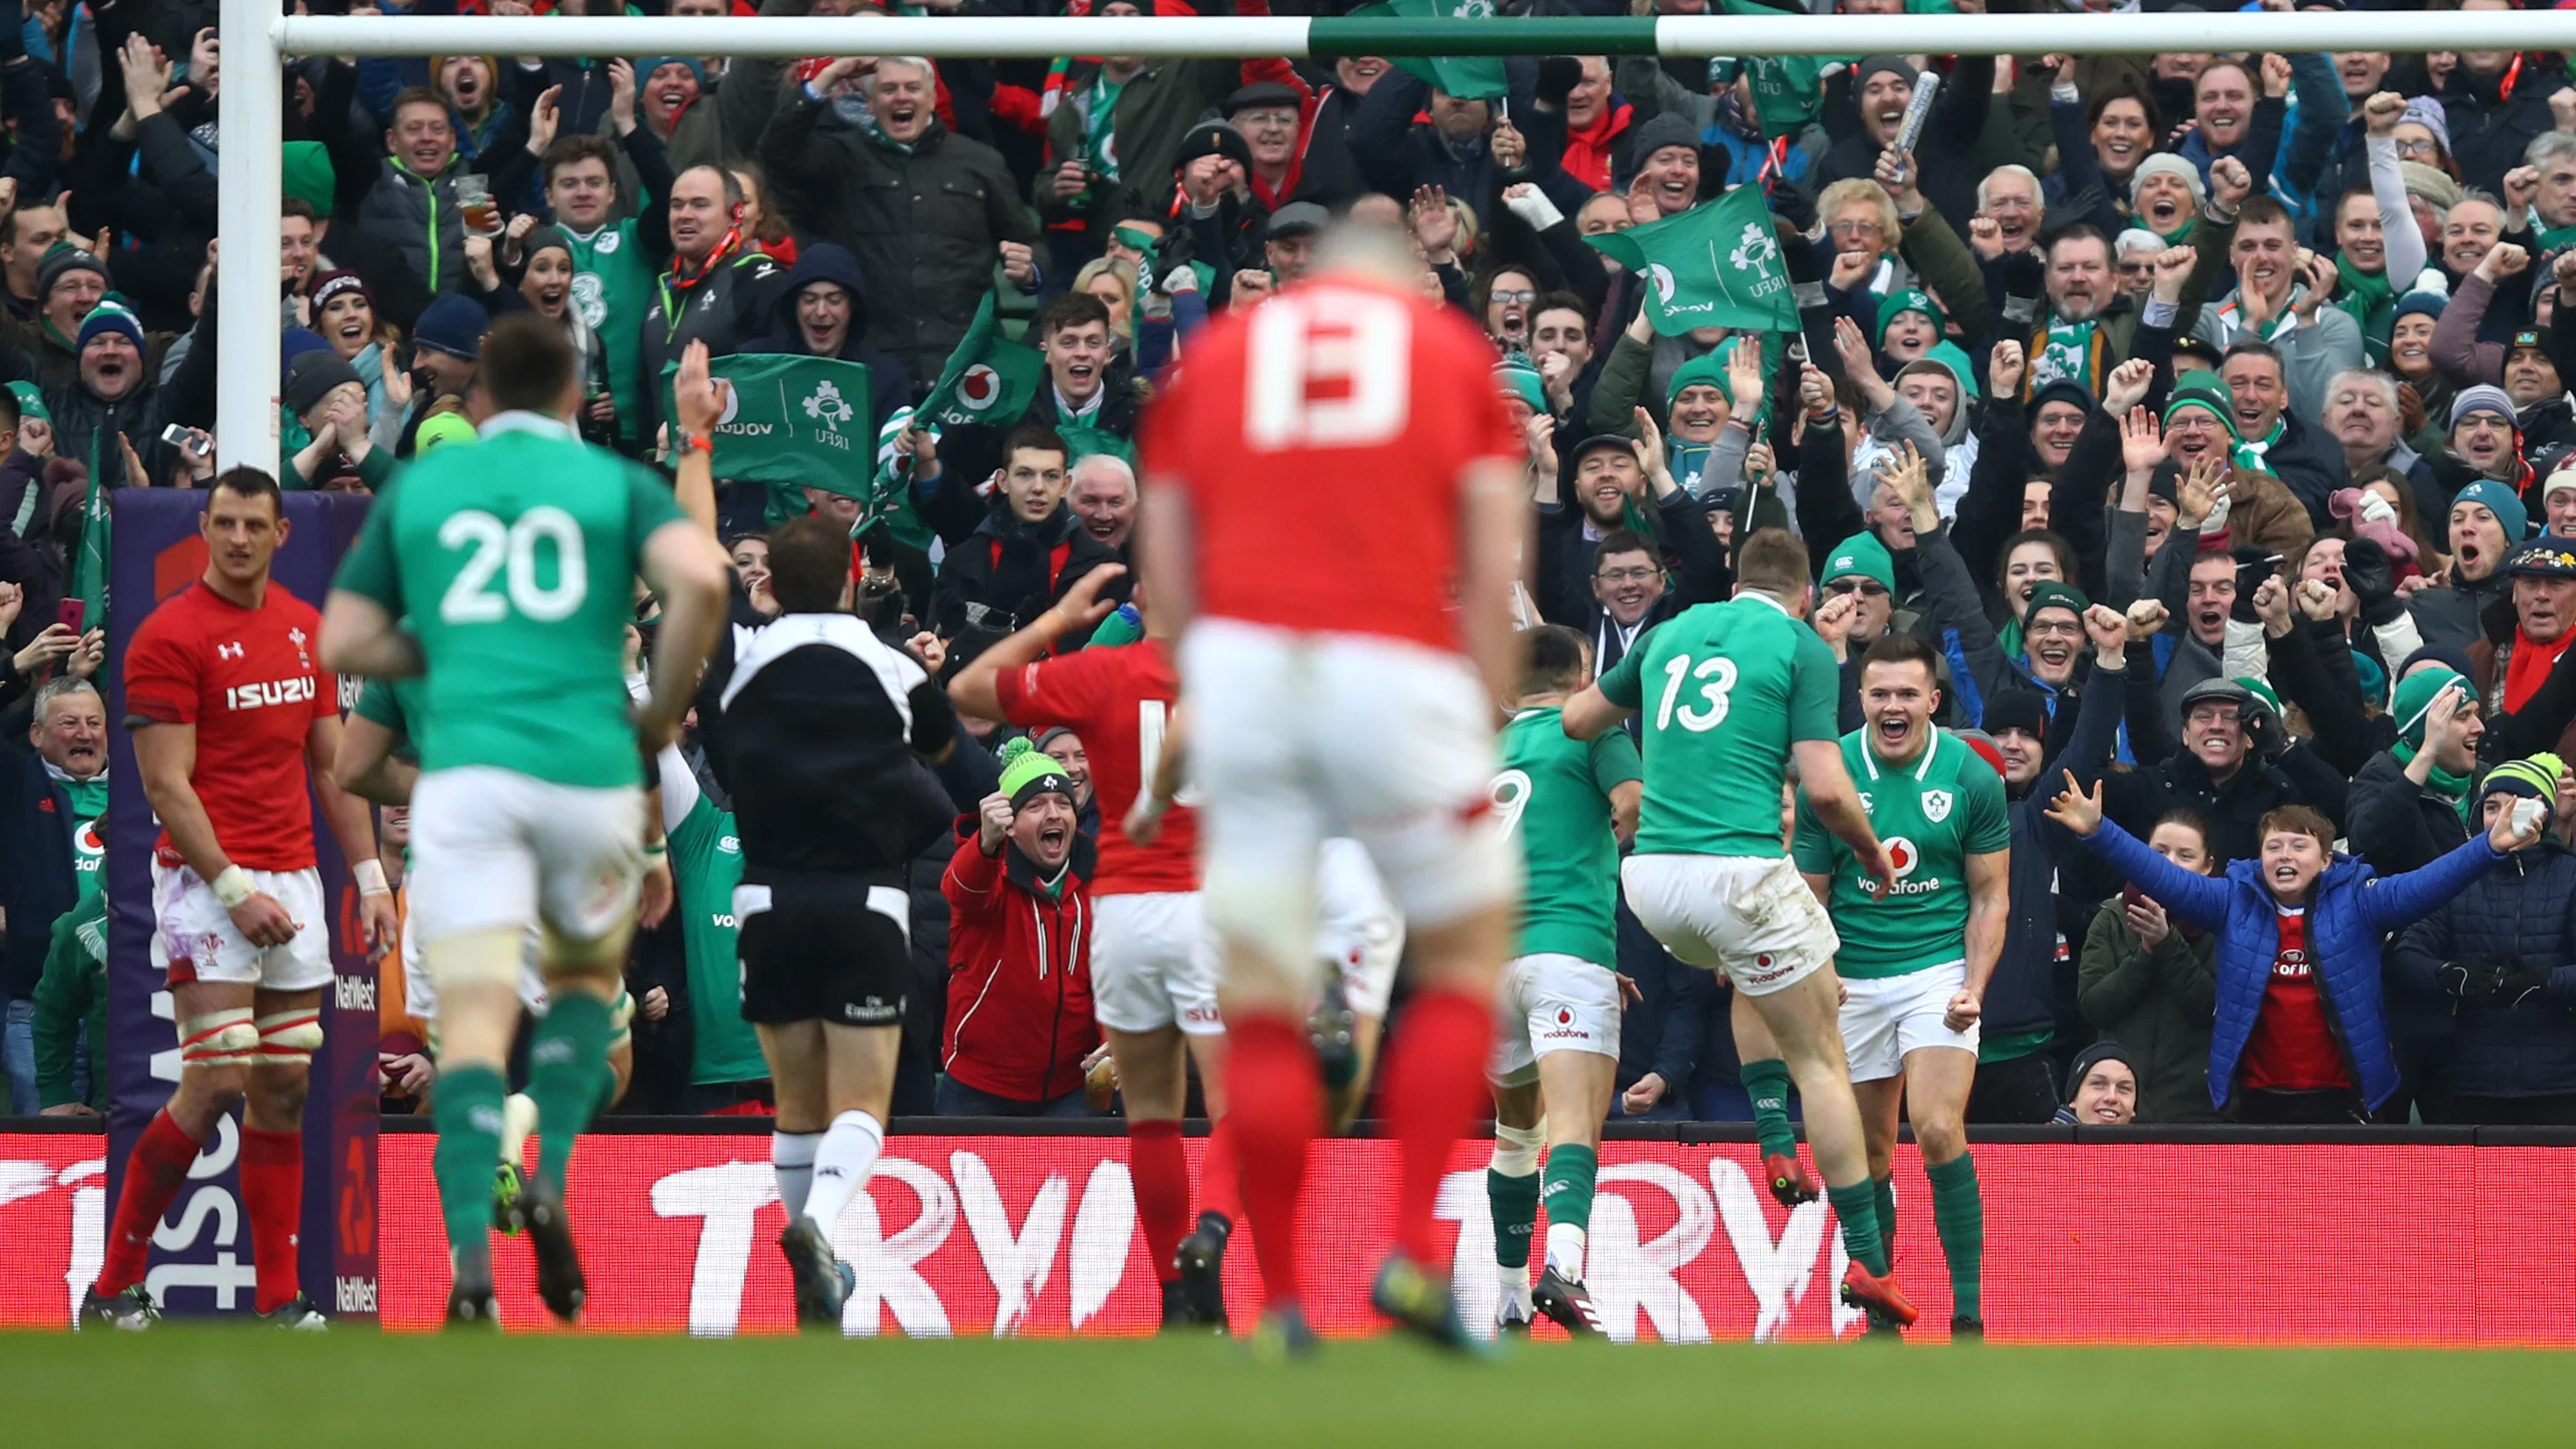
[842, 1161]
[791, 1156]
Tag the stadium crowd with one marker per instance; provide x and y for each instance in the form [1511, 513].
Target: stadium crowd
[2207, 415]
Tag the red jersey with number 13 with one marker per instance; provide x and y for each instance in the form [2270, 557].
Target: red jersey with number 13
[1119, 700]
[246, 678]
[1319, 438]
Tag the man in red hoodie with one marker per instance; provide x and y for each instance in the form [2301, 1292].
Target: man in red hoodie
[1020, 1032]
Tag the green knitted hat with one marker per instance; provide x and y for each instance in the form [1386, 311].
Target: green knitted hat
[2050, 594]
[1517, 380]
[2414, 700]
[1028, 772]
[304, 172]
[1707, 370]
[2204, 390]
[1864, 555]
[1912, 299]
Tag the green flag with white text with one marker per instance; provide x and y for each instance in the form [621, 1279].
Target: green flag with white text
[989, 380]
[1715, 265]
[1468, 77]
[801, 421]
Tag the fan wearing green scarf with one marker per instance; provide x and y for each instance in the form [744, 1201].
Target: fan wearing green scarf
[2378, 252]
[2437, 736]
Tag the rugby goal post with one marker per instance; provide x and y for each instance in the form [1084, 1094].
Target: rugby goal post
[258, 37]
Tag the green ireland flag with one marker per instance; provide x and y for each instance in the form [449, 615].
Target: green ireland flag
[989, 380]
[1715, 265]
[1468, 77]
[89, 567]
[889, 500]
[800, 421]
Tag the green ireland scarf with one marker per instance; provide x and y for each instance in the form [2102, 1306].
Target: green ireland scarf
[2370, 300]
[2452, 790]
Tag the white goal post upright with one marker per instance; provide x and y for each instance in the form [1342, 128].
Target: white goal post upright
[258, 37]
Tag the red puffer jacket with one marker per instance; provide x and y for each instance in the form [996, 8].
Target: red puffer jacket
[1019, 971]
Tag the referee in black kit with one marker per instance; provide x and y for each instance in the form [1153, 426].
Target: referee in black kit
[819, 733]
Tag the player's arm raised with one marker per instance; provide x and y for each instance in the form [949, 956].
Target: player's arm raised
[1836, 804]
[1494, 532]
[353, 825]
[1989, 907]
[1590, 715]
[698, 400]
[974, 690]
[166, 754]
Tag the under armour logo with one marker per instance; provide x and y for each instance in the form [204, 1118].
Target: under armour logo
[831, 1172]
[229, 651]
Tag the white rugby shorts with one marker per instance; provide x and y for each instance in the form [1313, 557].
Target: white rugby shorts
[1357, 928]
[1297, 737]
[194, 938]
[1551, 1002]
[1749, 916]
[1154, 963]
[494, 849]
[420, 994]
[1886, 1017]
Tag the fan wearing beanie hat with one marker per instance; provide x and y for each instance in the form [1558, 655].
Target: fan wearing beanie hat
[2436, 711]
[1862, 568]
[2486, 433]
[111, 354]
[2102, 1087]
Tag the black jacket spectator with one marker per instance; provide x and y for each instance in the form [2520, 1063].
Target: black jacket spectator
[2514, 1057]
[888, 384]
[1008, 573]
[922, 223]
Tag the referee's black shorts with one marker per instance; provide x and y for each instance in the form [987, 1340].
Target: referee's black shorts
[818, 947]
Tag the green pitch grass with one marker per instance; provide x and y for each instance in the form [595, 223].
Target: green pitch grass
[202, 1386]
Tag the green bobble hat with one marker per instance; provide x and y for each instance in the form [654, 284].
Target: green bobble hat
[1028, 772]
[2533, 779]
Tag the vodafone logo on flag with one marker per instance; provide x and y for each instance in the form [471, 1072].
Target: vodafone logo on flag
[978, 389]
[85, 840]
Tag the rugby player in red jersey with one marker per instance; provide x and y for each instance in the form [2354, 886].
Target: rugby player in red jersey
[1344, 681]
[232, 715]
[1153, 963]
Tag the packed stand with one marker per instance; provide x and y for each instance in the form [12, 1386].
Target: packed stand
[2206, 416]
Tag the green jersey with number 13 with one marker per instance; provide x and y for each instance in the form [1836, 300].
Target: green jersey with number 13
[1724, 691]
[515, 559]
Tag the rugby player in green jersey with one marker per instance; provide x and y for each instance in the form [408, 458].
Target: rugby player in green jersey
[1730, 694]
[1556, 1045]
[513, 560]
[1917, 950]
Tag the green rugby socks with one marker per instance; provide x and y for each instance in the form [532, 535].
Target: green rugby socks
[568, 1077]
[1514, 1201]
[1767, 1082]
[1855, 1209]
[469, 1114]
[1567, 1188]
[1959, 1215]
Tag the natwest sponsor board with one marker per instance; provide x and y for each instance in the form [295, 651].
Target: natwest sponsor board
[1037, 1235]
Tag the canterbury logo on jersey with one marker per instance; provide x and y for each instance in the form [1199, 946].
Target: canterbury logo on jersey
[276, 691]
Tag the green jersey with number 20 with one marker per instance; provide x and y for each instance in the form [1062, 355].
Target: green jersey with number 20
[1930, 815]
[515, 559]
[1553, 797]
[1725, 690]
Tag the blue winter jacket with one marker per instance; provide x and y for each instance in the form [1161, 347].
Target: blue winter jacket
[2351, 909]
